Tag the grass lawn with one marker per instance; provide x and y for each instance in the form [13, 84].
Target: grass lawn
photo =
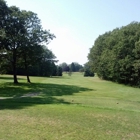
[68, 108]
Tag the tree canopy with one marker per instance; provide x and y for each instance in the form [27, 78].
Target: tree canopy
[21, 39]
[115, 55]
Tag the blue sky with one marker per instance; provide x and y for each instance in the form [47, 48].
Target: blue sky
[77, 23]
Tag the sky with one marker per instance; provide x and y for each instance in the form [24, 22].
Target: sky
[78, 23]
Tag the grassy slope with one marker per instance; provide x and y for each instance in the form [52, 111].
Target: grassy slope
[68, 108]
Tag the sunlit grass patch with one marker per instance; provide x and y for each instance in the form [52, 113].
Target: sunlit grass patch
[68, 108]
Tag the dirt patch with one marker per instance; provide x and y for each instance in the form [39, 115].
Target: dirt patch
[30, 94]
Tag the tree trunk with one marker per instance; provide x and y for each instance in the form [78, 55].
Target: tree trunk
[28, 79]
[15, 76]
[26, 69]
[14, 68]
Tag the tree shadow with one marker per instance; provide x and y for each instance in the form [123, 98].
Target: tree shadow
[14, 96]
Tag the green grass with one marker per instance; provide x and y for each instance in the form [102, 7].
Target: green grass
[68, 108]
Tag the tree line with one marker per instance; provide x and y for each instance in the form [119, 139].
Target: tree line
[73, 67]
[76, 67]
[23, 44]
[115, 55]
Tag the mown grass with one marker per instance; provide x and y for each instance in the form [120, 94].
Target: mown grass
[68, 108]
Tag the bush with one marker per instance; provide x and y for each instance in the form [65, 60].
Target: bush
[88, 73]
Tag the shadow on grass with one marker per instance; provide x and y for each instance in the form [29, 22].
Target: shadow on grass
[46, 94]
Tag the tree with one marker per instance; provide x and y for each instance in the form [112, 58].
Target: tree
[59, 71]
[47, 63]
[54, 69]
[64, 67]
[87, 71]
[22, 39]
[72, 67]
[31, 49]
[77, 66]
[14, 31]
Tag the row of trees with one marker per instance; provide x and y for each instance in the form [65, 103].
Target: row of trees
[46, 69]
[76, 67]
[115, 55]
[73, 67]
[23, 42]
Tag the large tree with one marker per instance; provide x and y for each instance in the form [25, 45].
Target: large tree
[22, 36]
[31, 49]
[14, 31]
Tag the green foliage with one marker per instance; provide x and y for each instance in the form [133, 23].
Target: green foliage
[21, 34]
[115, 55]
[59, 71]
[88, 71]
[77, 66]
[73, 67]
[65, 67]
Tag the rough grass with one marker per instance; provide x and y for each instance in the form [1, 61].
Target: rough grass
[68, 108]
